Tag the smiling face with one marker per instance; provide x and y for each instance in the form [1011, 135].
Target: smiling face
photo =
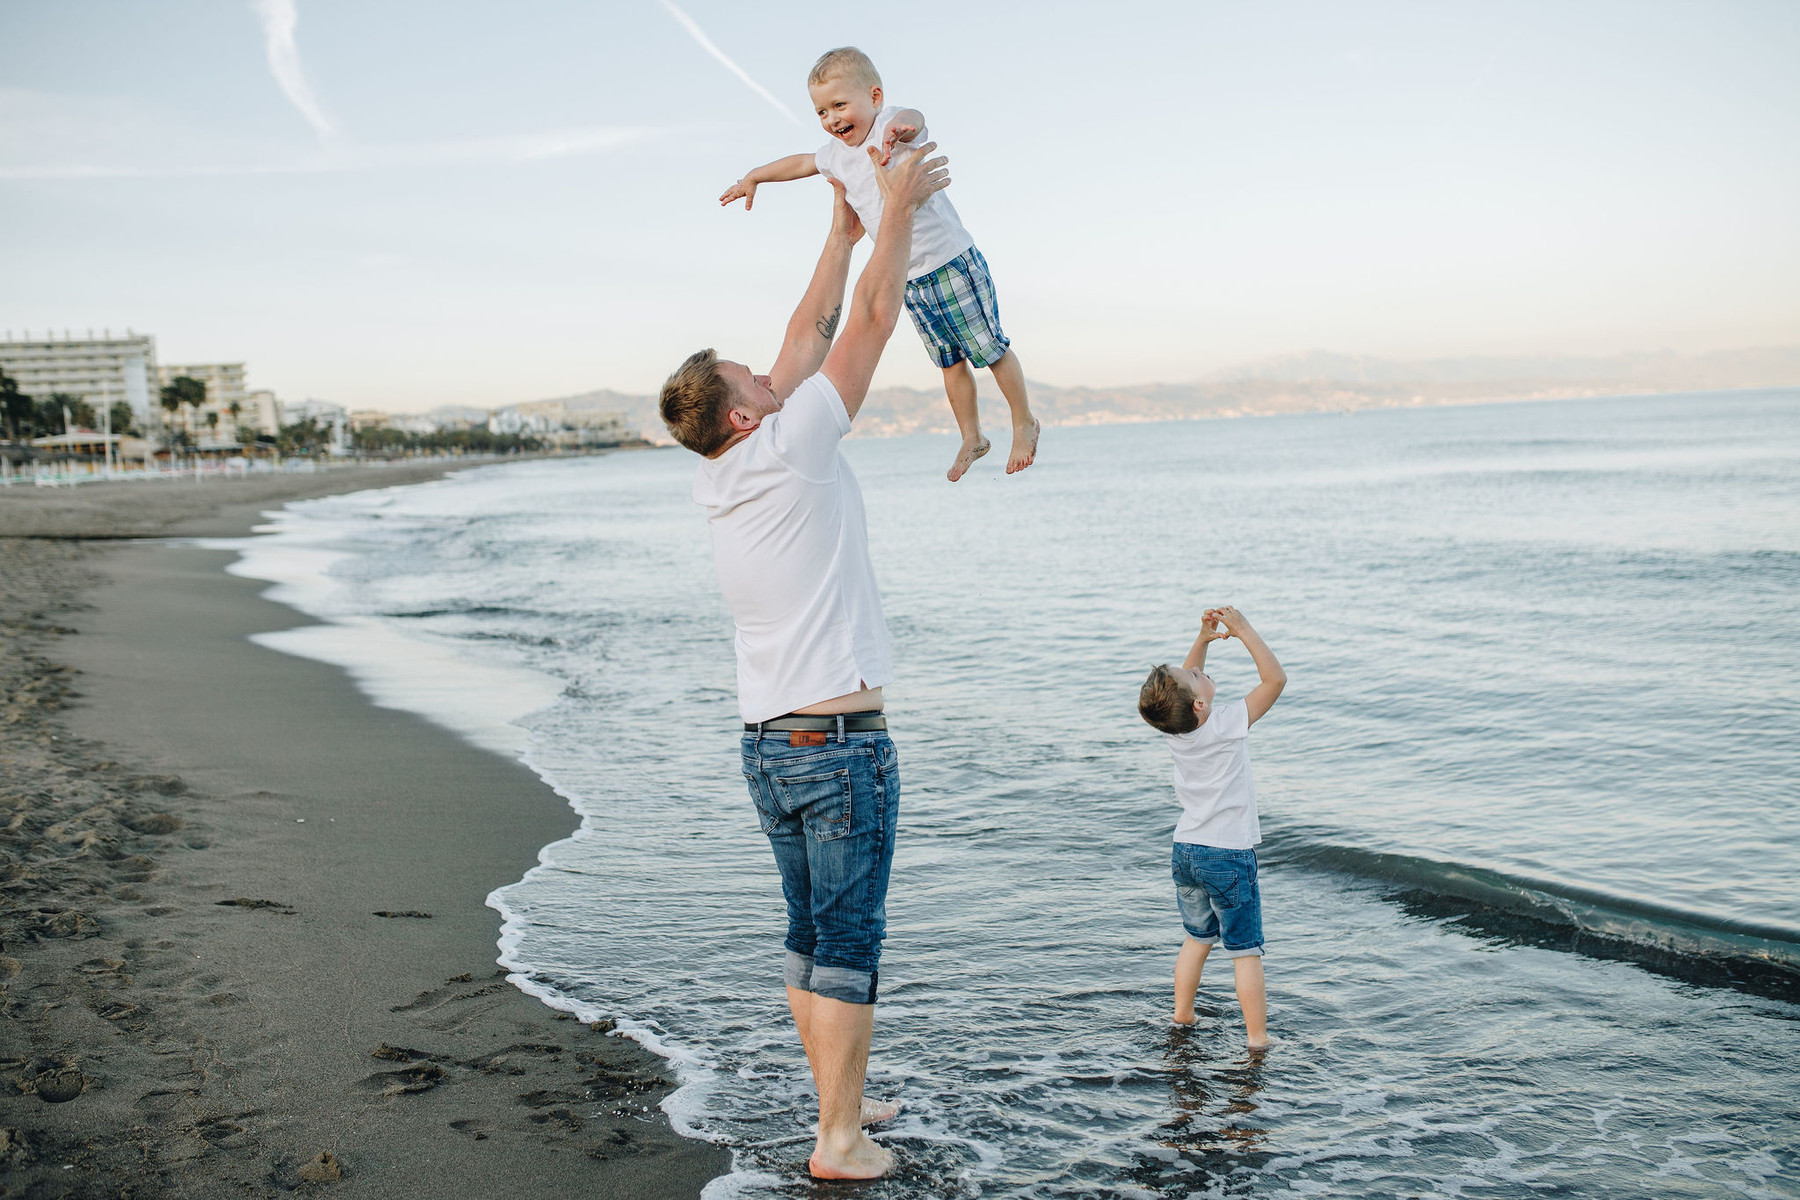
[846, 109]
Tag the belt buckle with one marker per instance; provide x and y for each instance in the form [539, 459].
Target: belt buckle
[806, 737]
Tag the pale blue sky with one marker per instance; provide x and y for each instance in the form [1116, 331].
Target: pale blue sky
[486, 203]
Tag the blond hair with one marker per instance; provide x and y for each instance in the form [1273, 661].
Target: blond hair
[1167, 703]
[694, 402]
[846, 62]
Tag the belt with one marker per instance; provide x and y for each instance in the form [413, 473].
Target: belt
[858, 722]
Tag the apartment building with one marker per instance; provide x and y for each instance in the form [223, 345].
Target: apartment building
[100, 370]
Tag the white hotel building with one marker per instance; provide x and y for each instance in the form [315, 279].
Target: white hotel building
[100, 370]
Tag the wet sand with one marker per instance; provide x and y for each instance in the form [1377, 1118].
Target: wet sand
[244, 947]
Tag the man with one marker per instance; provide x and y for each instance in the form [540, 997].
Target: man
[791, 547]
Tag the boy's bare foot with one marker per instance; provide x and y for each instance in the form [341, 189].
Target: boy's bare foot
[965, 458]
[874, 1112]
[1181, 1020]
[1024, 447]
[864, 1160]
[1256, 1045]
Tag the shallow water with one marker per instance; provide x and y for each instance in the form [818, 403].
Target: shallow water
[1529, 797]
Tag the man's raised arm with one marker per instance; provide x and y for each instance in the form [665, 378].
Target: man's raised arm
[875, 307]
[815, 321]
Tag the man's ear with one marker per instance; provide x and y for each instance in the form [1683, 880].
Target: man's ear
[739, 422]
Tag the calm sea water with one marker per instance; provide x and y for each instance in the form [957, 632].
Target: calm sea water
[1529, 799]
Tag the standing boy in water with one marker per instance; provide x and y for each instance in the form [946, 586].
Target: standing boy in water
[1214, 860]
[949, 293]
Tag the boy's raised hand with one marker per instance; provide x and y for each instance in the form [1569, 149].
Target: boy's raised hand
[1230, 618]
[744, 189]
[896, 133]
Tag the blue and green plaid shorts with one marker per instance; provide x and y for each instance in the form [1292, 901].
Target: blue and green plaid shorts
[956, 314]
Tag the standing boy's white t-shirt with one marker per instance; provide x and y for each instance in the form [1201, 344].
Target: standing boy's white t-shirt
[938, 233]
[791, 548]
[1212, 781]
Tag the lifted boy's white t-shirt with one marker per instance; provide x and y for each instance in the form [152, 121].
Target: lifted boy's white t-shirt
[938, 233]
[791, 548]
[1212, 781]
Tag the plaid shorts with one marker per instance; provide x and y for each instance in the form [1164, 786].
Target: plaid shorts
[956, 314]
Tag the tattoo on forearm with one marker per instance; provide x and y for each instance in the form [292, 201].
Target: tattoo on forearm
[827, 326]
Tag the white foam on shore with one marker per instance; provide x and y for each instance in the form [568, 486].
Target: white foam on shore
[477, 698]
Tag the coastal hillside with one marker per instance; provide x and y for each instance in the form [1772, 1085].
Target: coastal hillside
[1315, 381]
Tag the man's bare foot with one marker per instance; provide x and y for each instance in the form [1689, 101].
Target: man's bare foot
[1024, 447]
[965, 458]
[863, 1160]
[874, 1112]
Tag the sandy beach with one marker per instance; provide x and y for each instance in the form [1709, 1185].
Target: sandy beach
[245, 948]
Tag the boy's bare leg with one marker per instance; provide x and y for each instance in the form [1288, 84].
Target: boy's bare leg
[1011, 378]
[1253, 998]
[1188, 965]
[959, 386]
[836, 1036]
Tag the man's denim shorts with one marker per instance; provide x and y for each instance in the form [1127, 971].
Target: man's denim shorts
[1220, 902]
[830, 813]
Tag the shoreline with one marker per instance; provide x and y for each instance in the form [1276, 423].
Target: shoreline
[217, 971]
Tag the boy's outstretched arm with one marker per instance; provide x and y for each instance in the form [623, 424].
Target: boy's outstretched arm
[794, 166]
[1262, 697]
[1209, 631]
[815, 321]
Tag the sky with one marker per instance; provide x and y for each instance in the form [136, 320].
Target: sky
[403, 203]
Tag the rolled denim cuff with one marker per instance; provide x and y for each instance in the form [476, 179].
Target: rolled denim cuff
[843, 983]
[798, 974]
[1247, 952]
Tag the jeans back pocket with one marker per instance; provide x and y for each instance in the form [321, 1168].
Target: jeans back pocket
[822, 801]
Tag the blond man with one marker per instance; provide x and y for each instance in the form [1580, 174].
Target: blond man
[791, 549]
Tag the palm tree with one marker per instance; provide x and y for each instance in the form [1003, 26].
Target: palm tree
[183, 390]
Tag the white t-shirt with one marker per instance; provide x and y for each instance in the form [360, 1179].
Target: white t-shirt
[791, 547]
[1212, 781]
[938, 233]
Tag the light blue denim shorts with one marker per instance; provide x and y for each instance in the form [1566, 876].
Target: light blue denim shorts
[1220, 901]
[829, 812]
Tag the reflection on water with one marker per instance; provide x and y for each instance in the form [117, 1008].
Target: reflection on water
[1550, 643]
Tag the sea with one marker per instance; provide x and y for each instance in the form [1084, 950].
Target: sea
[1531, 799]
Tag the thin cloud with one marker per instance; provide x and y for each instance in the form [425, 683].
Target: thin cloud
[278, 21]
[707, 45]
[518, 148]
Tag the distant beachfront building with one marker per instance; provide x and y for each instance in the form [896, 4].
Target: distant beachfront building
[327, 416]
[265, 412]
[100, 370]
[369, 418]
[214, 426]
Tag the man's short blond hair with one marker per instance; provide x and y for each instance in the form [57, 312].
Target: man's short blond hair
[846, 62]
[694, 402]
[1167, 702]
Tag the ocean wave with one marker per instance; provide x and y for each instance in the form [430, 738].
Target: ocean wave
[1701, 947]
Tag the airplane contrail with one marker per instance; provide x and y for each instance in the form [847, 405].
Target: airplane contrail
[278, 20]
[706, 44]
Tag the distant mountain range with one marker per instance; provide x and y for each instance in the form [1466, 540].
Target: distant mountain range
[1316, 381]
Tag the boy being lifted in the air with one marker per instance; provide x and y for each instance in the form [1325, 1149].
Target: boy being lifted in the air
[948, 290]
